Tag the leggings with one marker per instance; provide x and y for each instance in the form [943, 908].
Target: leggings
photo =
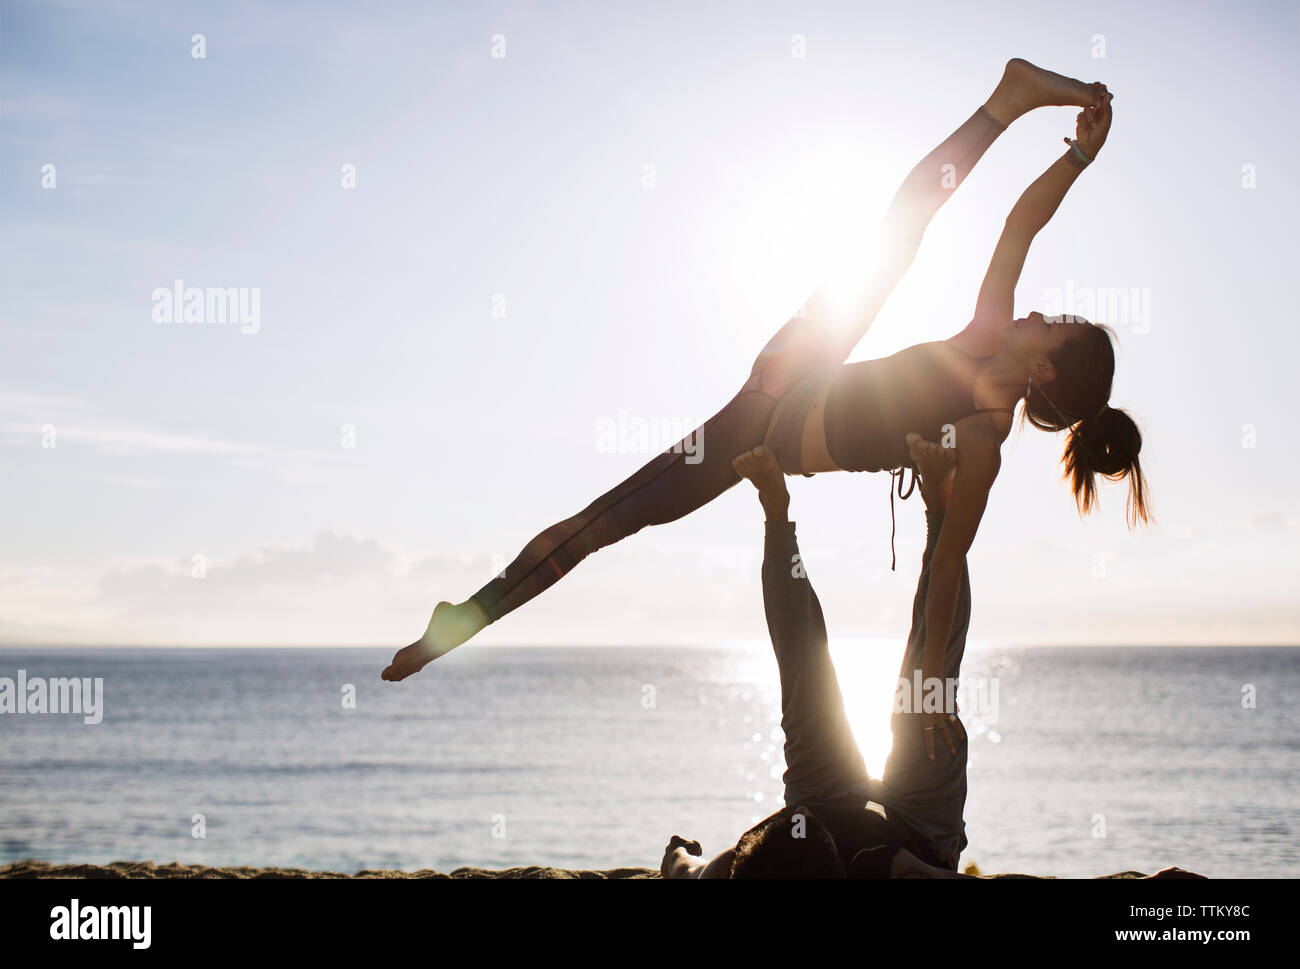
[670, 487]
[923, 799]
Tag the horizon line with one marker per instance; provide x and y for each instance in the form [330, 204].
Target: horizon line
[10, 647]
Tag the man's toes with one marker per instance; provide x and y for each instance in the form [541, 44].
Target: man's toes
[759, 458]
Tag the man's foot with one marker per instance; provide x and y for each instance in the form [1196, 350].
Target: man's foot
[450, 626]
[1024, 86]
[935, 464]
[764, 472]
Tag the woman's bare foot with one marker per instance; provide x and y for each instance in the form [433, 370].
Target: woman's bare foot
[935, 464]
[450, 626]
[763, 470]
[1024, 86]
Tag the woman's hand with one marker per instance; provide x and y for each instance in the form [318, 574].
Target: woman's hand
[1092, 126]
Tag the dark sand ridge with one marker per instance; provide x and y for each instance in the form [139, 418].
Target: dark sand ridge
[147, 869]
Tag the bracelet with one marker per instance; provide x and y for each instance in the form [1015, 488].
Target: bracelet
[1074, 146]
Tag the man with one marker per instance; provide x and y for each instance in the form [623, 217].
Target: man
[839, 822]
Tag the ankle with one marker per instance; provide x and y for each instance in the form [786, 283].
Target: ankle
[475, 612]
[1003, 109]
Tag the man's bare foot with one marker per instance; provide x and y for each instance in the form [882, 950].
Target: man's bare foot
[764, 472]
[450, 626]
[935, 464]
[1024, 86]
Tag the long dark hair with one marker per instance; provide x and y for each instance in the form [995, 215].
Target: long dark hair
[1103, 439]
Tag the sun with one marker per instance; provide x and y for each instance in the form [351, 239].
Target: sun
[808, 222]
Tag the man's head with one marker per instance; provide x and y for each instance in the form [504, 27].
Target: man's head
[791, 843]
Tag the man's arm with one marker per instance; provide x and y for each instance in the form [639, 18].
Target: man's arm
[976, 471]
[936, 465]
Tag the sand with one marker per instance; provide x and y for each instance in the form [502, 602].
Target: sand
[147, 869]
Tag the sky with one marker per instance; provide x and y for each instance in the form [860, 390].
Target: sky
[470, 238]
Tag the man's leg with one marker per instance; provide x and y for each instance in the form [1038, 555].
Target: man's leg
[822, 758]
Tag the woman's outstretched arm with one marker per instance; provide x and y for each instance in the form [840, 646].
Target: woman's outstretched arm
[995, 308]
[845, 316]
[977, 467]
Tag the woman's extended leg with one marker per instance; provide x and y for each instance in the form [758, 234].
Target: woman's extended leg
[673, 485]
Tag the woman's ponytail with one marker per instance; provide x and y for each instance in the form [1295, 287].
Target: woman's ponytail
[1107, 444]
[1103, 440]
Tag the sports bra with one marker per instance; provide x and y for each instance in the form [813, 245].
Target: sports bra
[873, 405]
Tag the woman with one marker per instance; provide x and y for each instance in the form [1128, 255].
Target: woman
[819, 414]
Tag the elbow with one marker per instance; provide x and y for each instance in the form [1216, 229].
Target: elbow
[1021, 225]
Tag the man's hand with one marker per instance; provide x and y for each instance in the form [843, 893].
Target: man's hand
[1092, 126]
[947, 726]
[671, 860]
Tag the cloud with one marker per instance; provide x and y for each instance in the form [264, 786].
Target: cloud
[26, 417]
[337, 589]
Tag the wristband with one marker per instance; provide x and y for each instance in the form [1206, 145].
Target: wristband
[1078, 153]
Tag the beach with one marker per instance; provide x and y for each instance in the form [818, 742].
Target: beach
[175, 870]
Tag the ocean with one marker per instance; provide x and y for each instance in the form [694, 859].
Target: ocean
[1083, 761]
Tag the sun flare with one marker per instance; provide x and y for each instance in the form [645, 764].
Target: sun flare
[811, 223]
[868, 673]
